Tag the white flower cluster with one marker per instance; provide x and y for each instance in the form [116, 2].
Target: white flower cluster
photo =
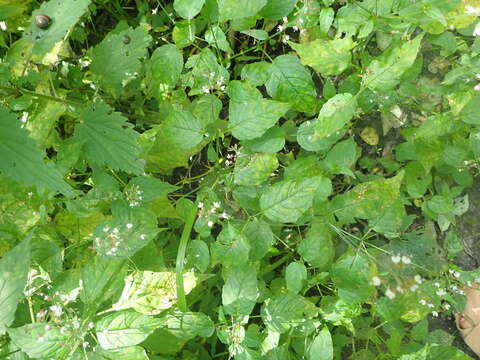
[134, 195]
[398, 258]
[211, 212]
[216, 83]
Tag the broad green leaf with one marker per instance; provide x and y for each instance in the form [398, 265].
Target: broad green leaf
[250, 114]
[384, 73]
[188, 9]
[216, 37]
[335, 113]
[470, 113]
[256, 73]
[342, 157]
[328, 57]
[64, 15]
[207, 109]
[237, 9]
[322, 346]
[127, 353]
[43, 340]
[146, 188]
[189, 324]
[260, 237]
[231, 247]
[240, 292]
[351, 275]
[163, 69]
[198, 255]
[316, 247]
[183, 129]
[124, 328]
[277, 9]
[292, 83]
[254, 169]
[271, 142]
[295, 277]
[184, 33]
[21, 160]
[113, 73]
[42, 124]
[150, 293]
[109, 139]
[309, 138]
[14, 267]
[288, 200]
[256, 34]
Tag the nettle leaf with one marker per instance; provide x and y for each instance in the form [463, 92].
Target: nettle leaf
[384, 73]
[163, 70]
[113, 73]
[295, 277]
[43, 340]
[254, 169]
[64, 15]
[183, 129]
[322, 346]
[150, 293]
[292, 83]
[277, 9]
[118, 239]
[328, 57]
[251, 115]
[206, 74]
[288, 200]
[125, 328]
[237, 9]
[14, 266]
[240, 292]
[109, 139]
[470, 113]
[188, 9]
[21, 160]
[342, 157]
[188, 325]
[351, 275]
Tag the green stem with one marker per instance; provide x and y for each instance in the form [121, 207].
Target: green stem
[42, 96]
[182, 301]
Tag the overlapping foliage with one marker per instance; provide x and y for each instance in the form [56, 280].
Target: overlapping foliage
[247, 179]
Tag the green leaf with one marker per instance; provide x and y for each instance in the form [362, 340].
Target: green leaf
[351, 274]
[309, 138]
[231, 247]
[384, 73]
[198, 255]
[288, 200]
[328, 57]
[188, 325]
[292, 83]
[322, 346]
[282, 312]
[240, 292]
[250, 115]
[150, 293]
[254, 169]
[316, 247]
[64, 15]
[14, 266]
[342, 157]
[125, 328]
[163, 69]
[256, 34]
[42, 340]
[149, 188]
[188, 9]
[295, 277]
[271, 142]
[256, 73]
[21, 160]
[207, 109]
[114, 72]
[183, 129]
[109, 139]
[335, 114]
[237, 9]
[470, 113]
[184, 33]
[127, 353]
[277, 9]
[216, 37]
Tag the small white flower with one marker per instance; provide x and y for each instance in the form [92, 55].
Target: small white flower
[200, 205]
[129, 225]
[376, 281]
[115, 231]
[285, 19]
[446, 306]
[285, 39]
[472, 10]
[414, 288]
[396, 259]
[406, 260]
[476, 87]
[154, 11]
[210, 223]
[224, 215]
[3, 25]
[434, 313]
[418, 279]
[430, 305]
[295, 28]
[216, 204]
[476, 31]
[301, 21]
[441, 292]
[423, 302]
[280, 28]
[456, 274]
[56, 310]
[142, 236]
[437, 284]
[390, 294]
[222, 88]
[399, 289]
[205, 89]
[24, 117]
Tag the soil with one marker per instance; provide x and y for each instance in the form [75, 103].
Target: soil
[468, 228]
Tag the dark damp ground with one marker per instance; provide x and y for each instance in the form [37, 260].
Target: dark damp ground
[468, 228]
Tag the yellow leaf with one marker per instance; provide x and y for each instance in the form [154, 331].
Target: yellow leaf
[369, 135]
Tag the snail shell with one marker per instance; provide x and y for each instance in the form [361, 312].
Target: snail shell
[42, 21]
[126, 39]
